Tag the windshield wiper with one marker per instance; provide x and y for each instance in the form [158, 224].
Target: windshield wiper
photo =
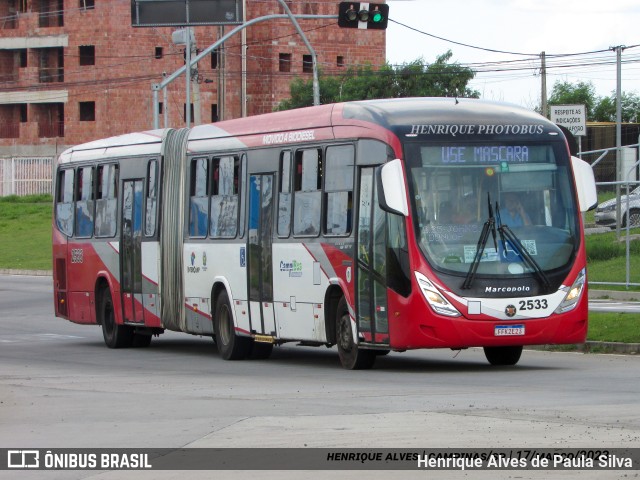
[489, 226]
[521, 251]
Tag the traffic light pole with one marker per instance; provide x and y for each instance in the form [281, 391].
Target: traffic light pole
[316, 83]
[170, 78]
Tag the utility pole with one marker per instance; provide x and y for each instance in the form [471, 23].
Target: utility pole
[619, 178]
[543, 94]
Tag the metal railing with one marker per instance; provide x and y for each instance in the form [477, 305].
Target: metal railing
[625, 185]
[25, 176]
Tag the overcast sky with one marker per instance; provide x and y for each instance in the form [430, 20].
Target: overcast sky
[522, 26]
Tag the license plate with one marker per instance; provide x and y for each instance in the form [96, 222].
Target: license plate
[508, 330]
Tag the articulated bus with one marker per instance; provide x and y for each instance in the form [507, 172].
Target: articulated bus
[373, 225]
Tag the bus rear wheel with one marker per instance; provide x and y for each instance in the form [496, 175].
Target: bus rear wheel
[503, 355]
[351, 357]
[230, 345]
[115, 336]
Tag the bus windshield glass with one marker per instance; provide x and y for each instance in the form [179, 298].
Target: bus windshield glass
[519, 193]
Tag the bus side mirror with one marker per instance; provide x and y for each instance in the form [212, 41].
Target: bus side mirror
[585, 184]
[392, 193]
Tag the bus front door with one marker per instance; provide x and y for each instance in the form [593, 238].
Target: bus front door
[131, 251]
[371, 294]
[260, 255]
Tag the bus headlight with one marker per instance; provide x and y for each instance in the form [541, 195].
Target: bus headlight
[574, 293]
[440, 304]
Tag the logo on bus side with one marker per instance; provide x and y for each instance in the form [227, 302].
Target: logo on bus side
[192, 268]
[289, 137]
[294, 268]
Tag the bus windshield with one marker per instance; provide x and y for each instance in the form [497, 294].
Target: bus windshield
[521, 194]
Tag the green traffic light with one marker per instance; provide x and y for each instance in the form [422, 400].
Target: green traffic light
[377, 17]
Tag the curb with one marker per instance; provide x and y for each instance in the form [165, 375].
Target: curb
[37, 273]
[619, 295]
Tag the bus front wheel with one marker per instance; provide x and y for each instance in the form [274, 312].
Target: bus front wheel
[503, 355]
[351, 357]
[115, 336]
[230, 345]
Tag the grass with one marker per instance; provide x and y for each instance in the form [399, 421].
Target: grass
[614, 327]
[25, 236]
[606, 259]
[25, 232]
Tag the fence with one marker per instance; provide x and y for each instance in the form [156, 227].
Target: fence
[628, 171]
[25, 176]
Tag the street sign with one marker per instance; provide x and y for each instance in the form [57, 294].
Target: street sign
[572, 117]
[185, 13]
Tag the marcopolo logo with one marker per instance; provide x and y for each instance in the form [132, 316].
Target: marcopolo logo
[521, 288]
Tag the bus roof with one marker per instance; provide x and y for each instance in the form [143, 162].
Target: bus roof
[396, 115]
[140, 143]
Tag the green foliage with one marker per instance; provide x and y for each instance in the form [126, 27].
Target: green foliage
[414, 79]
[599, 109]
[582, 93]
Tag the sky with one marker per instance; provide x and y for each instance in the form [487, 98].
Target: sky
[528, 27]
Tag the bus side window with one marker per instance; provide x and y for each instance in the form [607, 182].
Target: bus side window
[152, 199]
[284, 195]
[106, 201]
[84, 203]
[338, 188]
[224, 198]
[64, 201]
[199, 200]
[307, 206]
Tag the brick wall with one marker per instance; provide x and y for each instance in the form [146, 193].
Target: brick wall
[125, 66]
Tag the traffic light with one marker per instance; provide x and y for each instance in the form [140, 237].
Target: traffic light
[363, 15]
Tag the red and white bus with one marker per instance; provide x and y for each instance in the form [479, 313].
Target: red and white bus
[374, 226]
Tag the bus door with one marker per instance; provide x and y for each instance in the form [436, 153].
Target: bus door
[371, 294]
[260, 254]
[131, 251]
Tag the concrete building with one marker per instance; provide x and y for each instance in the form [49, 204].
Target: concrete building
[75, 70]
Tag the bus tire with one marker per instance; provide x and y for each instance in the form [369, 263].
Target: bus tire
[230, 345]
[115, 336]
[351, 357]
[503, 355]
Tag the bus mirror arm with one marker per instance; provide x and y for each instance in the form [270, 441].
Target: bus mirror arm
[392, 192]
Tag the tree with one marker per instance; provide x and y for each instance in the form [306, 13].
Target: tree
[630, 103]
[582, 93]
[414, 79]
[599, 109]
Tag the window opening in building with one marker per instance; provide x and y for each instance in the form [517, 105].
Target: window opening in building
[284, 63]
[87, 55]
[87, 111]
[307, 64]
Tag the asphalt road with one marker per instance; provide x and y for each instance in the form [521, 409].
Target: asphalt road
[61, 387]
